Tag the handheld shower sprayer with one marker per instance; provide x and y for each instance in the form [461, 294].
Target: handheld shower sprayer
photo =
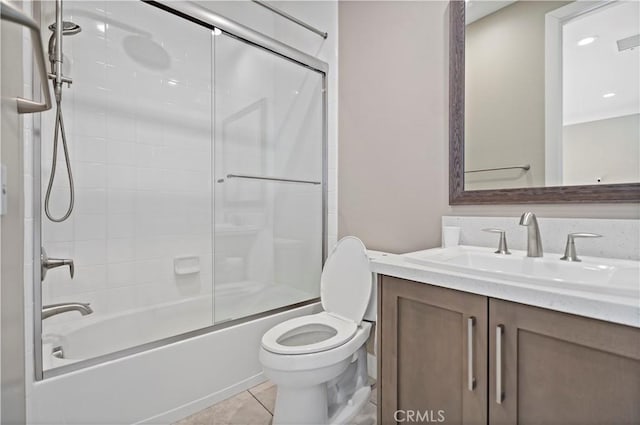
[59, 29]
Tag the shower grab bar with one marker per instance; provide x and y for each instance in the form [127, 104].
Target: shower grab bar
[525, 167]
[11, 14]
[277, 179]
[293, 19]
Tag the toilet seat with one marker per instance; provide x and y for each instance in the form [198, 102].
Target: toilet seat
[345, 291]
[309, 334]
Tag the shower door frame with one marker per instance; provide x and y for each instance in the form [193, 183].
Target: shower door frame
[211, 20]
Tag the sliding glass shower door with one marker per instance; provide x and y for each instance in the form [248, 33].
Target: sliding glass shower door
[268, 150]
[198, 161]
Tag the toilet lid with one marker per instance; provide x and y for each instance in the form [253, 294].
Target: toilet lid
[345, 285]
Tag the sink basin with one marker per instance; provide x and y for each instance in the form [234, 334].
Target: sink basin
[600, 275]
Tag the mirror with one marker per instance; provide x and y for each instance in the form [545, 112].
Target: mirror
[544, 101]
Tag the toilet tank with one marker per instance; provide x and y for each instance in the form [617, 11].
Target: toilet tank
[371, 314]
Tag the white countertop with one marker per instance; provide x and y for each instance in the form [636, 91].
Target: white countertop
[611, 308]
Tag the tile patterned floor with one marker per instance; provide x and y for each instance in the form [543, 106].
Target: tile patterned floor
[255, 407]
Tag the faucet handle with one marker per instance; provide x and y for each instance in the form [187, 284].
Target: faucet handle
[47, 263]
[502, 247]
[570, 249]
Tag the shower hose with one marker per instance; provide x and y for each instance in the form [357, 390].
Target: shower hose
[59, 130]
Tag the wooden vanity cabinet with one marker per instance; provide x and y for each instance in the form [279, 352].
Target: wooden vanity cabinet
[424, 354]
[548, 367]
[559, 368]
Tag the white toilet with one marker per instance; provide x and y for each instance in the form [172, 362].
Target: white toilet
[319, 362]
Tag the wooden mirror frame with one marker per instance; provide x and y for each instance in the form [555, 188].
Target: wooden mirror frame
[625, 192]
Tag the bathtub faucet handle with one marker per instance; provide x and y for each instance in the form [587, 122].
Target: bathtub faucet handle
[47, 263]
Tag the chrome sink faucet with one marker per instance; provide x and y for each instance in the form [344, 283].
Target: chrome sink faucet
[53, 309]
[534, 241]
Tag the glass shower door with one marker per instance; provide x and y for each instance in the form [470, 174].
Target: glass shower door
[268, 150]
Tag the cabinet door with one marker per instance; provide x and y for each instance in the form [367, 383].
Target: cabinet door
[556, 368]
[425, 356]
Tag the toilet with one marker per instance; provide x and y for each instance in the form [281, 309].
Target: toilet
[319, 362]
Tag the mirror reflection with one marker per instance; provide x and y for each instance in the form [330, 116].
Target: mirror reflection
[552, 93]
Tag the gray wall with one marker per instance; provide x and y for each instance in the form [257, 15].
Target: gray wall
[393, 136]
[392, 162]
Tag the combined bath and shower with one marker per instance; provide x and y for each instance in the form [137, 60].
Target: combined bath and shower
[55, 58]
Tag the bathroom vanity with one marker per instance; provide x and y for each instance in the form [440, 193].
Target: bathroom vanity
[470, 341]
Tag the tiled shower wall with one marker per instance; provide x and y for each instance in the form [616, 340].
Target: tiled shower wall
[138, 120]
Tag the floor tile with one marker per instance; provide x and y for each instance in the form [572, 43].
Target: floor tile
[255, 407]
[367, 416]
[242, 409]
[266, 395]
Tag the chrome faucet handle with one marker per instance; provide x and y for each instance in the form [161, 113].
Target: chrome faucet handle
[502, 246]
[570, 249]
[47, 263]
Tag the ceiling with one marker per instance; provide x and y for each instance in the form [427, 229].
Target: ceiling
[598, 68]
[476, 9]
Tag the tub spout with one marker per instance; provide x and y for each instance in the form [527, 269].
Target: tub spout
[53, 309]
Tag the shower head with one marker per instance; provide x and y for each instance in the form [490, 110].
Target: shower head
[68, 28]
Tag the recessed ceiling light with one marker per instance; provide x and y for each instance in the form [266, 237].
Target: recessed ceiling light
[608, 95]
[587, 40]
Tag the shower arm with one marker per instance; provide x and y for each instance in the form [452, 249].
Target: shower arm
[55, 41]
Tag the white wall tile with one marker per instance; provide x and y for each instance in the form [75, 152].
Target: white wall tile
[90, 227]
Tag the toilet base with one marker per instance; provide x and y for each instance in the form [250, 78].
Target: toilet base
[295, 405]
[309, 406]
[336, 401]
[352, 408]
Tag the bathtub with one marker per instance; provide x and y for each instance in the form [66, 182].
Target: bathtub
[99, 334]
[157, 386]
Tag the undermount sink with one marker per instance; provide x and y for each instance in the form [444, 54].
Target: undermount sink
[601, 275]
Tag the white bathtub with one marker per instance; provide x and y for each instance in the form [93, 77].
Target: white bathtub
[160, 385]
[98, 334]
